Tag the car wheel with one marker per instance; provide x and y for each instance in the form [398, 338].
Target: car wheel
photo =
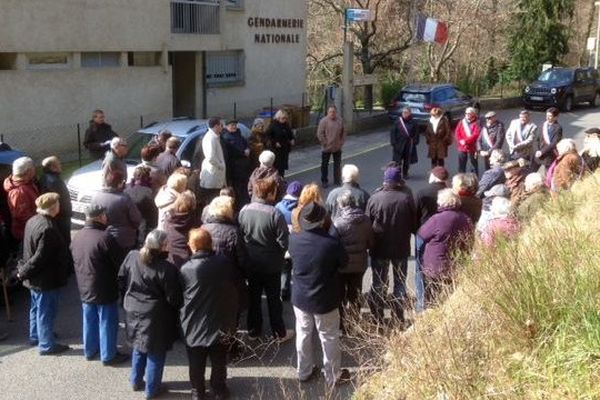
[596, 101]
[568, 104]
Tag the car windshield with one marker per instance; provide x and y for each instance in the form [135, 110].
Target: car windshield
[136, 141]
[413, 97]
[556, 76]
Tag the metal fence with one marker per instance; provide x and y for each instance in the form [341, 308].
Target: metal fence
[201, 17]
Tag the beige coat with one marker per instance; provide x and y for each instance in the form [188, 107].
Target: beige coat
[331, 134]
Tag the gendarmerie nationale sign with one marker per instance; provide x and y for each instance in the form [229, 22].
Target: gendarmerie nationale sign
[276, 23]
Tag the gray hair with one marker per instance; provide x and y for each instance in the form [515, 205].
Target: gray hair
[155, 240]
[497, 157]
[465, 181]
[22, 166]
[565, 146]
[471, 110]
[350, 173]
[267, 158]
[258, 121]
[280, 114]
[346, 199]
[446, 198]
[49, 162]
[533, 181]
[116, 142]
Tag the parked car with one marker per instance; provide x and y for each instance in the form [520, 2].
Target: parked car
[563, 88]
[421, 98]
[87, 180]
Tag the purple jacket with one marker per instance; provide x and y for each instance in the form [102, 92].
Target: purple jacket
[440, 234]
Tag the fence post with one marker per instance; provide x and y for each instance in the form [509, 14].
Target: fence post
[79, 143]
[302, 121]
[234, 110]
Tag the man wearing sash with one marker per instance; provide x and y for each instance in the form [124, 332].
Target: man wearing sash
[491, 138]
[403, 136]
[551, 134]
[521, 137]
[467, 134]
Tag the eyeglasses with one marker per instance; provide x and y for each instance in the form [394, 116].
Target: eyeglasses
[489, 117]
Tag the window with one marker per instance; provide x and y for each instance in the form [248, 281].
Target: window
[8, 61]
[48, 60]
[100, 59]
[225, 68]
[234, 4]
[143, 58]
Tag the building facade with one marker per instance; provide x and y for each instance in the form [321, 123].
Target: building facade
[61, 59]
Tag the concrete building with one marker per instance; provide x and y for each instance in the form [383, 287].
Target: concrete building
[61, 59]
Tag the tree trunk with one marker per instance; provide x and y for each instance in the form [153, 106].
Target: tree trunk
[365, 61]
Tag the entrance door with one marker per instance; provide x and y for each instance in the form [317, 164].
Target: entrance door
[184, 83]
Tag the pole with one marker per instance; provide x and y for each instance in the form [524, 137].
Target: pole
[347, 89]
[141, 121]
[597, 4]
[204, 91]
[79, 143]
[345, 25]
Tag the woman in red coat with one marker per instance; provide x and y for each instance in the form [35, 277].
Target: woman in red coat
[467, 135]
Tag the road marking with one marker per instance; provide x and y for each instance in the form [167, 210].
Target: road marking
[360, 153]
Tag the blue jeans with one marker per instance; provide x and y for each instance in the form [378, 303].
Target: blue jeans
[100, 327]
[419, 288]
[380, 269]
[150, 365]
[42, 312]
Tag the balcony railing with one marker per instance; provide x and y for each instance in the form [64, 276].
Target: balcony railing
[201, 17]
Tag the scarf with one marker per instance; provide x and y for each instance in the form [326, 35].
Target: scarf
[434, 123]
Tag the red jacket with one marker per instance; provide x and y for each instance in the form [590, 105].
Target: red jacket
[470, 145]
[21, 203]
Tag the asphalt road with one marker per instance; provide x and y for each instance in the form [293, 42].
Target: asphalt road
[267, 371]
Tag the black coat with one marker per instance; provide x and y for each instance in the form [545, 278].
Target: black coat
[94, 138]
[209, 310]
[51, 182]
[490, 178]
[279, 133]
[177, 227]
[404, 142]
[394, 216]
[354, 229]
[167, 162]
[426, 200]
[151, 299]
[46, 258]
[317, 259]
[97, 257]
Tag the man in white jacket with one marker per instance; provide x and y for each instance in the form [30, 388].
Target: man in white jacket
[212, 174]
[521, 137]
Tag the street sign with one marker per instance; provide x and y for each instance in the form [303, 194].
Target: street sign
[365, 80]
[358, 15]
[591, 44]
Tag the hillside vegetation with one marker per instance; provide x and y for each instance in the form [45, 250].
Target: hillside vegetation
[523, 322]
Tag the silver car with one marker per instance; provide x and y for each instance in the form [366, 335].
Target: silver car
[87, 180]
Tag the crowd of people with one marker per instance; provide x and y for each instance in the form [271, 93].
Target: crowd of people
[188, 253]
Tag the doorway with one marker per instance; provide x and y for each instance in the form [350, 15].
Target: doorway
[184, 83]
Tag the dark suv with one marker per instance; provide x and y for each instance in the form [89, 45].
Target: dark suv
[563, 88]
[421, 98]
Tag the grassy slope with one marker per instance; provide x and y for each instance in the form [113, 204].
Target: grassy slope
[524, 321]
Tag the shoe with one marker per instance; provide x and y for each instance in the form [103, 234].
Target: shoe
[57, 349]
[344, 377]
[252, 337]
[162, 389]
[289, 334]
[197, 395]
[3, 336]
[119, 358]
[221, 394]
[33, 343]
[313, 374]
[138, 387]
[92, 357]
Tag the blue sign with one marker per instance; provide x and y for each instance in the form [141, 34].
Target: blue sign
[358, 15]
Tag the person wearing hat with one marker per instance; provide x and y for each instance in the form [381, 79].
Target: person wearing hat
[97, 258]
[21, 192]
[317, 257]
[536, 195]
[393, 215]
[51, 181]
[152, 297]
[494, 175]
[521, 137]
[331, 136]
[591, 149]
[266, 170]
[44, 270]
[350, 178]
[167, 161]
[465, 186]
[237, 158]
[467, 135]
[426, 203]
[98, 136]
[115, 158]
[491, 138]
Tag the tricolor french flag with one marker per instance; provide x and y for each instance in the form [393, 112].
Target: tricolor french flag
[431, 30]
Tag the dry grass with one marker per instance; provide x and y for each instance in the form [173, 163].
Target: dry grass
[522, 323]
